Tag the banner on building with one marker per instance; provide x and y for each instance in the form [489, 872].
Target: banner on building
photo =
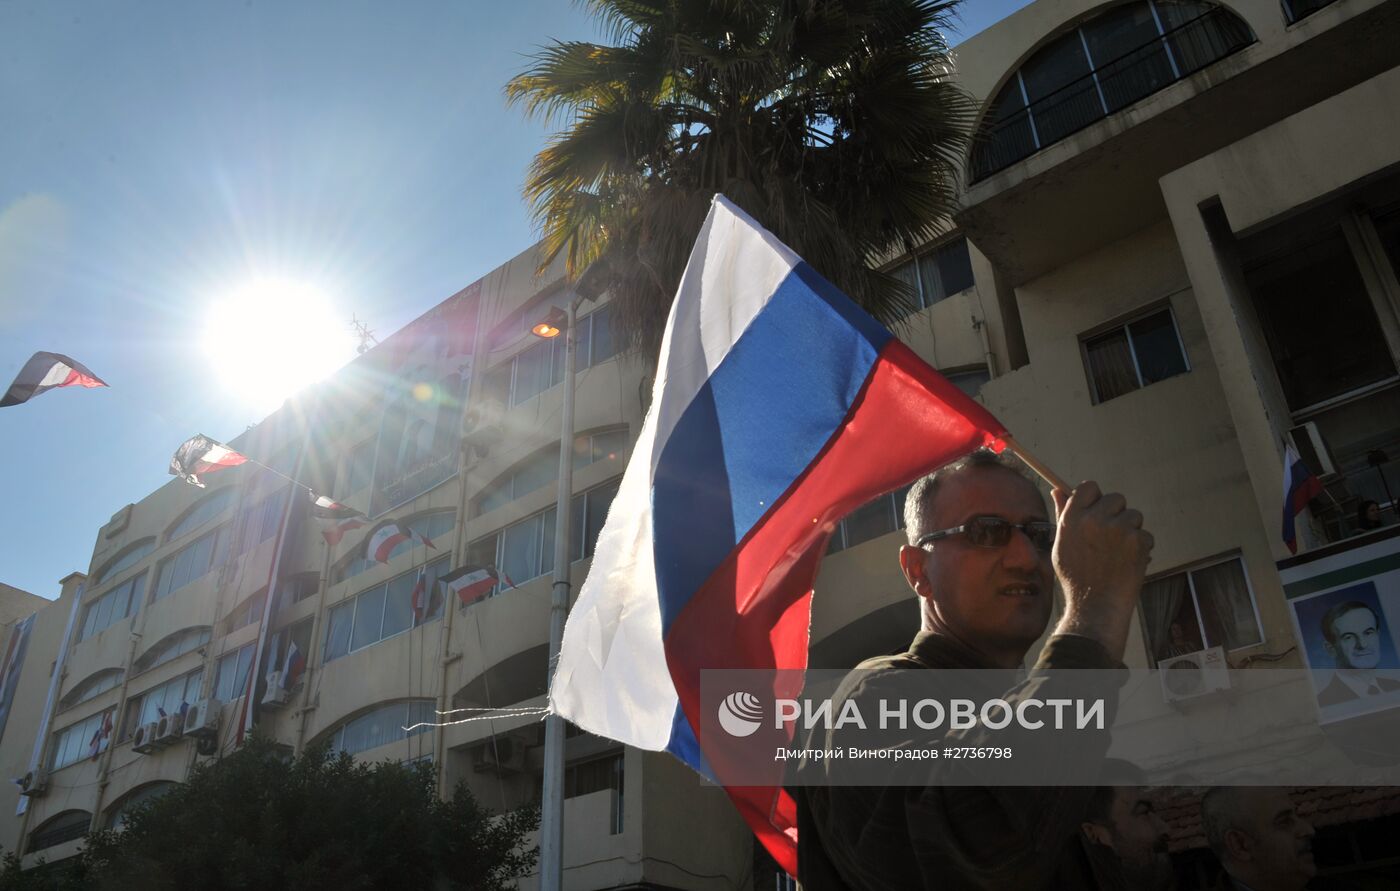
[427, 368]
[1345, 603]
[15, 648]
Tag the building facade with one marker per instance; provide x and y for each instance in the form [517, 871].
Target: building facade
[1177, 253]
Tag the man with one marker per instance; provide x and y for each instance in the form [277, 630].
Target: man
[980, 560]
[1260, 839]
[1351, 635]
[1123, 819]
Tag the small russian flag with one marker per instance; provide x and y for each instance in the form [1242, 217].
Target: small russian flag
[1299, 487]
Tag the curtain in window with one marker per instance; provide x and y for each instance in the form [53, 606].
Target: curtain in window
[1161, 602]
[1226, 607]
[1111, 366]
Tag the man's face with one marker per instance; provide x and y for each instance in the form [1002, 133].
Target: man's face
[1282, 841]
[997, 598]
[1357, 643]
[1139, 837]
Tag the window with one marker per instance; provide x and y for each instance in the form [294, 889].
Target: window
[171, 646]
[299, 588]
[433, 526]
[542, 468]
[969, 380]
[74, 742]
[201, 513]
[250, 611]
[1207, 606]
[598, 775]
[1131, 356]
[231, 675]
[125, 560]
[937, 274]
[525, 550]
[191, 563]
[541, 366]
[65, 827]
[1107, 63]
[167, 697]
[116, 816]
[1295, 10]
[383, 725]
[92, 686]
[113, 606]
[383, 611]
[869, 521]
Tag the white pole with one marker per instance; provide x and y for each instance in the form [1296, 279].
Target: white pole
[552, 807]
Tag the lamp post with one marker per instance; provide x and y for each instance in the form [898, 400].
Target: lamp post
[552, 806]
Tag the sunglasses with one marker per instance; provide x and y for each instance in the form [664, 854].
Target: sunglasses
[994, 532]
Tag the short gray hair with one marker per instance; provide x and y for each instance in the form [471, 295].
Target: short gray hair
[918, 504]
[1228, 807]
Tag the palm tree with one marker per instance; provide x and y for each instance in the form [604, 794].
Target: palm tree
[835, 123]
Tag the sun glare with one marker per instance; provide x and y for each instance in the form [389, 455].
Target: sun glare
[270, 337]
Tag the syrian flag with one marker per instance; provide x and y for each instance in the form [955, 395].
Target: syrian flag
[103, 731]
[334, 534]
[470, 583]
[421, 597]
[47, 371]
[1299, 487]
[389, 535]
[327, 508]
[200, 454]
[293, 666]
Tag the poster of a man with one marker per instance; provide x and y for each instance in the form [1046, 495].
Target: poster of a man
[1346, 631]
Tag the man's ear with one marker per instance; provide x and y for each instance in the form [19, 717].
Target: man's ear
[911, 563]
[1239, 844]
[1326, 645]
[1097, 833]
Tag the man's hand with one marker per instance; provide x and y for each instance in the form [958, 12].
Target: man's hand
[1101, 554]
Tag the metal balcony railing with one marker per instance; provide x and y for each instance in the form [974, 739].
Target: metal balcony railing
[1108, 88]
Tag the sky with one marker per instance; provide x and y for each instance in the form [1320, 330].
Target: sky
[161, 158]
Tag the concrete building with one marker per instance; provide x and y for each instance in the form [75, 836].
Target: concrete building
[1178, 251]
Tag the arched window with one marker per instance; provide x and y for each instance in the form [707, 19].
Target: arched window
[1100, 66]
[172, 645]
[117, 813]
[128, 558]
[382, 725]
[94, 684]
[542, 467]
[62, 828]
[207, 509]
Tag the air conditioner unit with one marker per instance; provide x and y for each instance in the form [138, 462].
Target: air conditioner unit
[504, 753]
[1312, 448]
[35, 783]
[169, 729]
[275, 697]
[1194, 675]
[202, 719]
[144, 739]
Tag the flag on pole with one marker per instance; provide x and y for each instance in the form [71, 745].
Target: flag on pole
[389, 535]
[102, 733]
[470, 583]
[779, 406]
[1299, 487]
[420, 597]
[293, 666]
[200, 454]
[326, 508]
[334, 534]
[48, 371]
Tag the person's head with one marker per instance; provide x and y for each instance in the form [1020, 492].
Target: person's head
[991, 586]
[1351, 634]
[1122, 817]
[1368, 515]
[1259, 837]
[1178, 633]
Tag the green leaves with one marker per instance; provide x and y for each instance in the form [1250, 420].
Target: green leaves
[833, 122]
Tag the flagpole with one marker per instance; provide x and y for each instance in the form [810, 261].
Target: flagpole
[1034, 463]
[552, 807]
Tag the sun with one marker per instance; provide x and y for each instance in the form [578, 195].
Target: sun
[269, 337]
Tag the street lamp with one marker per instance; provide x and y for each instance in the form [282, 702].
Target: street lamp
[552, 808]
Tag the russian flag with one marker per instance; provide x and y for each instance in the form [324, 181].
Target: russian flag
[779, 406]
[1299, 487]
